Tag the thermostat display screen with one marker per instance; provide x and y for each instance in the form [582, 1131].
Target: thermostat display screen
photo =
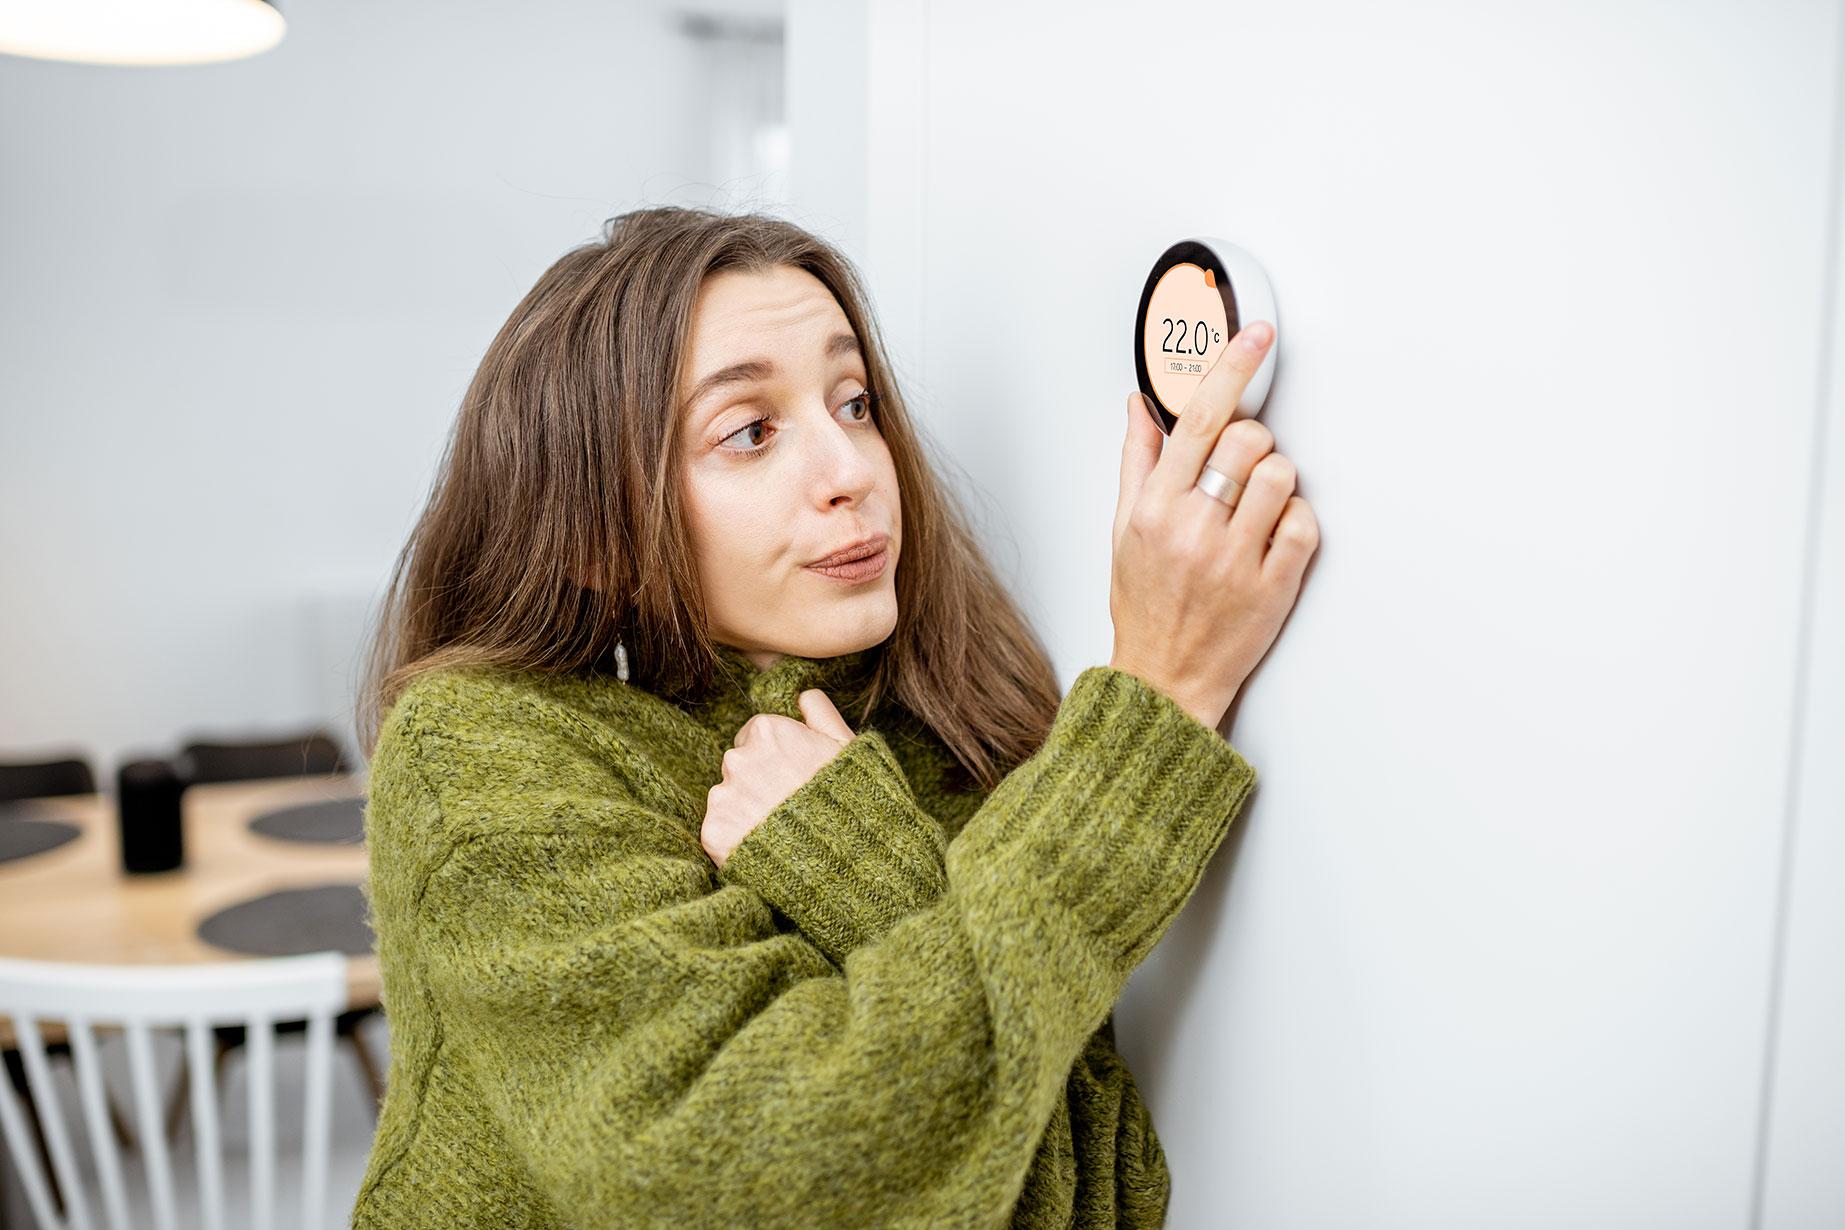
[1185, 332]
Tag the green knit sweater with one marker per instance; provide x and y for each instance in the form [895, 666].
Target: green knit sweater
[892, 1006]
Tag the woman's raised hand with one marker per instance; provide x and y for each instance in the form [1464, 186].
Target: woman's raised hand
[771, 757]
[1199, 589]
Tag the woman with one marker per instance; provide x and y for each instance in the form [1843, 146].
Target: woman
[668, 940]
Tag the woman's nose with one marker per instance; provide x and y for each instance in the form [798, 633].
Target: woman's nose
[844, 463]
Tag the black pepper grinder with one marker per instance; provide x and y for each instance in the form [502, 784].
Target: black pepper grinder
[147, 801]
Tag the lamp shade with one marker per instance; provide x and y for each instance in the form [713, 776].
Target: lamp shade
[139, 31]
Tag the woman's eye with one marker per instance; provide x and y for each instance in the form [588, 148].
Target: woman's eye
[864, 414]
[740, 431]
[865, 399]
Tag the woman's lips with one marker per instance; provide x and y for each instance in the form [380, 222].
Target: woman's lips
[855, 570]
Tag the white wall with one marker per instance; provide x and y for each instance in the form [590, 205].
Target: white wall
[239, 304]
[1532, 920]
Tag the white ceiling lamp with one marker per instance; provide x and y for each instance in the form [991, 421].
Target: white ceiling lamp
[139, 31]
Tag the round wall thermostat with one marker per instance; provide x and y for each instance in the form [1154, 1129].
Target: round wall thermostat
[1201, 291]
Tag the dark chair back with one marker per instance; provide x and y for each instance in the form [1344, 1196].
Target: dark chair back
[304, 755]
[39, 779]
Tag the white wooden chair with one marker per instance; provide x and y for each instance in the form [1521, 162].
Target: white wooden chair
[138, 999]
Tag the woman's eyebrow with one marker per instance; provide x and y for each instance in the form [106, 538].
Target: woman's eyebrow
[762, 369]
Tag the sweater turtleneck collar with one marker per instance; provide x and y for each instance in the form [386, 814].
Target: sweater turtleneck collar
[740, 690]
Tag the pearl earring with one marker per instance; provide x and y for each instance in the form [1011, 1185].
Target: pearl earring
[621, 661]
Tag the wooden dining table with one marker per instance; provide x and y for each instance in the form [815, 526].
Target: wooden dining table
[75, 903]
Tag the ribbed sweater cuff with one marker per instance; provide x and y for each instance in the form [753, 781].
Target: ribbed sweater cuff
[1117, 815]
[849, 853]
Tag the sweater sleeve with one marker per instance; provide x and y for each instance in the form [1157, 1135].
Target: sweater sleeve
[1100, 1163]
[849, 853]
[645, 1039]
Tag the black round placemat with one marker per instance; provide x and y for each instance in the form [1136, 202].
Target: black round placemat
[333, 821]
[22, 836]
[293, 921]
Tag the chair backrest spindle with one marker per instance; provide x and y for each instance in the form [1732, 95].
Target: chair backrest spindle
[102, 1140]
[200, 1062]
[261, 1051]
[317, 1118]
[57, 1140]
[147, 1125]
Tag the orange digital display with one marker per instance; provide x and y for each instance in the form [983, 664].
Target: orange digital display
[1185, 331]
[1199, 292]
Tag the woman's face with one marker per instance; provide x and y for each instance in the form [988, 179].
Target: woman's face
[783, 465]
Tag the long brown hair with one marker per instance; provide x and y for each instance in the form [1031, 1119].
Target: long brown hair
[554, 525]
